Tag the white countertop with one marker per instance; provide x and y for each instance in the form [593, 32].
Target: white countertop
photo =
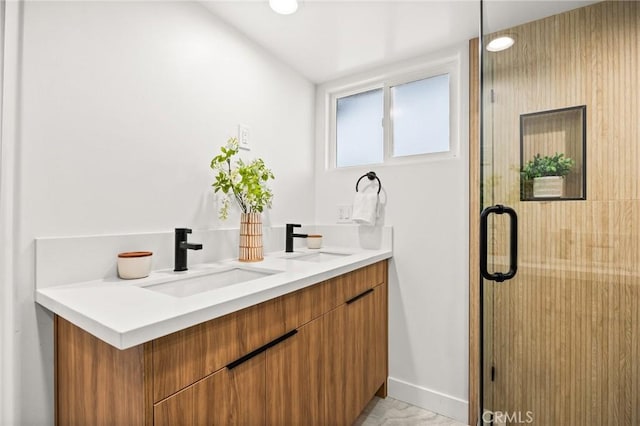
[124, 313]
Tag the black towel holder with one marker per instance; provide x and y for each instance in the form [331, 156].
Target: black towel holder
[370, 176]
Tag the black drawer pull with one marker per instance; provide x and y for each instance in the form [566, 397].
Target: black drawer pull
[360, 296]
[261, 349]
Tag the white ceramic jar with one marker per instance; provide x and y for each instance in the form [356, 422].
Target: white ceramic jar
[314, 241]
[134, 264]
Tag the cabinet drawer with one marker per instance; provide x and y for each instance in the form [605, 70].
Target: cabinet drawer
[356, 282]
[334, 292]
[182, 358]
[186, 356]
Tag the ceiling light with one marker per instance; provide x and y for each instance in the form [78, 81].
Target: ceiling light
[284, 7]
[500, 43]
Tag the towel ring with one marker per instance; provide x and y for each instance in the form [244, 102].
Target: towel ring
[370, 176]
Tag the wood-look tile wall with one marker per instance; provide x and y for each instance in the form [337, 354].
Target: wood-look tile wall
[565, 336]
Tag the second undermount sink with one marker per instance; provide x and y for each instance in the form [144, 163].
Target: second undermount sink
[321, 256]
[183, 287]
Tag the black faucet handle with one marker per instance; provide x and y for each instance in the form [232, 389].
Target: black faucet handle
[185, 230]
[293, 225]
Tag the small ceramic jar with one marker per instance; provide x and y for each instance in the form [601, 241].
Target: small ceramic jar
[134, 264]
[314, 241]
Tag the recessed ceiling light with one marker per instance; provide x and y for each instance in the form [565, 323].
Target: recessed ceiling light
[500, 43]
[284, 7]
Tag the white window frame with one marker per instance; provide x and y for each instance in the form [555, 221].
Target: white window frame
[449, 65]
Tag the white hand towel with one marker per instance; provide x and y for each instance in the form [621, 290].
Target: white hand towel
[365, 208]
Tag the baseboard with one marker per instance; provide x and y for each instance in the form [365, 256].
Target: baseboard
[428, 399]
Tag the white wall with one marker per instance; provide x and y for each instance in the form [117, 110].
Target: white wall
[122, 105]
[427, 205]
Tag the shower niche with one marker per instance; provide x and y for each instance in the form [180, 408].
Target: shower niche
[552, 155]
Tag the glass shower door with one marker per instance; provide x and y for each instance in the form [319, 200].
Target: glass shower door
[561, 338]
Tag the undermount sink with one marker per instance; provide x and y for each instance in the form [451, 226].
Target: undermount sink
[322, 256]
[216, 279]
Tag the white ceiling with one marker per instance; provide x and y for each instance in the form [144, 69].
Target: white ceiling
[327, 39]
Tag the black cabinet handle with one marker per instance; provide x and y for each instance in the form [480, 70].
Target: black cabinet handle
[261, 349]
[513, 243]
[360, 296]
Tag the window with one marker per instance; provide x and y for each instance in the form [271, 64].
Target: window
[396, 119]
[420, 116]
[359, 131]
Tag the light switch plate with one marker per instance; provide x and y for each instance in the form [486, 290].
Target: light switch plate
[344, 213]
[243, 137]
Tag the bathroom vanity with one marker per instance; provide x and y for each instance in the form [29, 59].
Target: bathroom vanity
[313, 355]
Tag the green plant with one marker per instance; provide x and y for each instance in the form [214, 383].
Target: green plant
[245, 182]
[556, 165]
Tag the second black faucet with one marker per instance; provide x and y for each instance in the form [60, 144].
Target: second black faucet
[288, 243]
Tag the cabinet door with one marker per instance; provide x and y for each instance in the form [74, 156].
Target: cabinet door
[294, 383]
[232, 397]
[364, 351]
[355, 355]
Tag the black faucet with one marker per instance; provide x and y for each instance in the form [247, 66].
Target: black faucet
[290, 235]
[181, 249]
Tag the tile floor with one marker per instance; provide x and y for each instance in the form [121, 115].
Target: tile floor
[391, 412]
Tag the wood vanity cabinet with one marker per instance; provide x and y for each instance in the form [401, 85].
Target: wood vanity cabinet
[313, 357]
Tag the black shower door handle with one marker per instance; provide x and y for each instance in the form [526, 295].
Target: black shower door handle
[513, 243]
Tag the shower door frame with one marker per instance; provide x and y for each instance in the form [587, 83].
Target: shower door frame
[475, 358]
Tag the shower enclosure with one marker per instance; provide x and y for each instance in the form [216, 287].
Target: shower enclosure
[560, 339]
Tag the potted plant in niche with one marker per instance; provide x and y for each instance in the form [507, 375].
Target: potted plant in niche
[246, 184]
[547, 174]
